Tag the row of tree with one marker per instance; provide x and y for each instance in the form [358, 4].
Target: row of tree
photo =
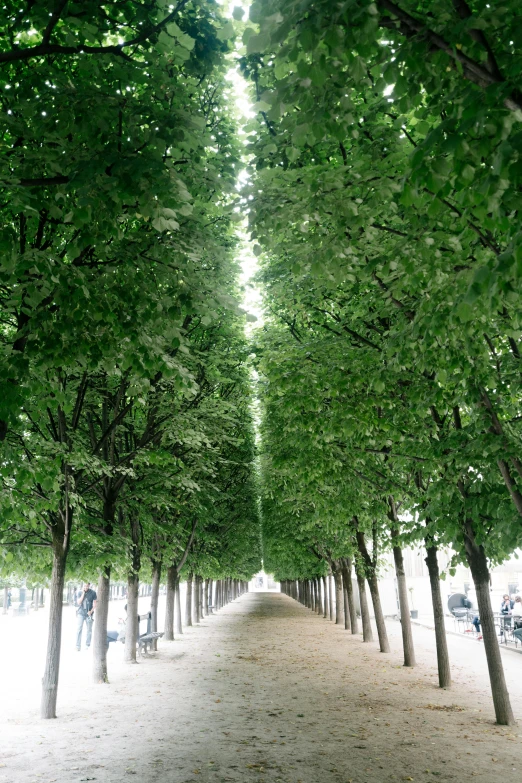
[125, 424]
[385, 204]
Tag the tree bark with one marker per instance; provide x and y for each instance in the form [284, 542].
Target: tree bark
[133, 591]
[331, 595]
[379, 616]
[205, 597]
[347, 625]
[319, 596]
[179, 621]
[99, 635]
[348, 586]
[188, 606]
[154, 598]
[407, 636]
[365, 614]
[210, 596]
[479, 570]
[326, 602]
[54, 640]
[371, 577]
[339, 598]
[169, 607]
[197, 599]
[132, 626]
[438, 616]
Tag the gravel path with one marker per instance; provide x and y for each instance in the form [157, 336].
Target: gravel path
[267, 691]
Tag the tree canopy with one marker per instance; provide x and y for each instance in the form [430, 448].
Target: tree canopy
[382, 200]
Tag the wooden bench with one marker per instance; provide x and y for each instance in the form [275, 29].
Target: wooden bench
[145, 639]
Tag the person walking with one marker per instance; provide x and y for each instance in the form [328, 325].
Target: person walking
[85, 614]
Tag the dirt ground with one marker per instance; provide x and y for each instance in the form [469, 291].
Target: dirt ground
[264, 692]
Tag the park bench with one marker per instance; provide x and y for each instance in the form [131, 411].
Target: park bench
[144, 640]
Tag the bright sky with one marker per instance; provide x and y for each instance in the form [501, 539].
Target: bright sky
[252, 300]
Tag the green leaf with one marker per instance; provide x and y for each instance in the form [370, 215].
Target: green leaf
[226, 32]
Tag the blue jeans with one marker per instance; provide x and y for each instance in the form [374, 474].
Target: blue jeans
[79, 628]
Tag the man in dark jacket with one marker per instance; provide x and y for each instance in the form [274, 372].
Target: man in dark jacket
[84, 613]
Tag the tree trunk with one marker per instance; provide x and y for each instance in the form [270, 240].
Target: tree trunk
[54, 640]
[347, 626]
[132, 627]
[179, 621]
[36, 598]
[210, 596]
[365, 614]
[479, 570]
[379, 617]
[154, 598]
[205, 597]
[330, 592]
[319, 607]
[99, 635]
[133, 592]
[407, 637]
[339, 599]
[438, 616]
[197, 599]
[6, 598]
[188, 606]
[371, 576]
[169, 607]
[326, 602]
[348, 587]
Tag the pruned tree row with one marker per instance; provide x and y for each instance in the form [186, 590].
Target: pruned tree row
[384, 202]
[125, 424]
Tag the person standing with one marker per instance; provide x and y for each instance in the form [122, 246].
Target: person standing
[85, 614]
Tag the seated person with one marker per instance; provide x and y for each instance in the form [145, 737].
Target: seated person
[505, 609]
[507, 605]
[119, 635]
[517, 618]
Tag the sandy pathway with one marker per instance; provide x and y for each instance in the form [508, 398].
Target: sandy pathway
[266, 691]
